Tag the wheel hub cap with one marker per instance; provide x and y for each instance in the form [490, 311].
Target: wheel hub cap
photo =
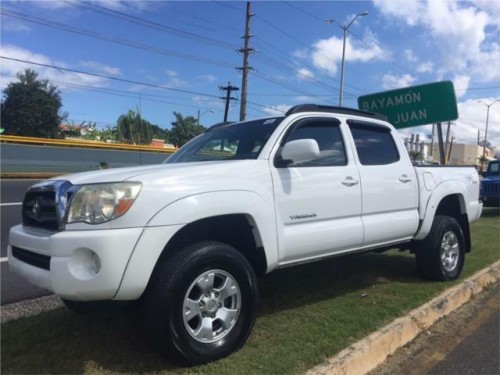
[211, 306]
[450, 251]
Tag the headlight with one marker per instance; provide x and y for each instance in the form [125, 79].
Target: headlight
[96, 204]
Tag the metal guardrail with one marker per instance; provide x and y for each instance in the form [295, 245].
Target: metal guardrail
[83, 144]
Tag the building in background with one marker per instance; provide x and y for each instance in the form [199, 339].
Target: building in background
[459, 154]
[462, 154]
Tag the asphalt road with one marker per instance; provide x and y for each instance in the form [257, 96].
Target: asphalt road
[465, 342]
[13, 288]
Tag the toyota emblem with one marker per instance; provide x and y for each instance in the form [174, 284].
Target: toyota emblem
[37, 208]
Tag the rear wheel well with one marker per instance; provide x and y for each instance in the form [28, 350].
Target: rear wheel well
[237, 230]
[454, 206]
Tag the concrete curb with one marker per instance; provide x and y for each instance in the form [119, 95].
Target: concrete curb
[367, 354]
[28, 308]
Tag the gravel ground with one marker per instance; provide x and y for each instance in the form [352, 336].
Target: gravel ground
[29, 308]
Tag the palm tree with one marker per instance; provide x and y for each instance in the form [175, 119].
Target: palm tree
[184, 128]
[482, 161]
[131, 128]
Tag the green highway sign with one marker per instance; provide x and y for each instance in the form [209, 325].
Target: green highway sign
[414, 106]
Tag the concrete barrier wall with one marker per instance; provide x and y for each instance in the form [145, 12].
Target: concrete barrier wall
[31, 158]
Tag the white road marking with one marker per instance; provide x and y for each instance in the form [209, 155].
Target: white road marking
[11, 204]
[4, 259]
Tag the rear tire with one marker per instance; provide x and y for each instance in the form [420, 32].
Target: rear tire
[441, 255]
[201, 304]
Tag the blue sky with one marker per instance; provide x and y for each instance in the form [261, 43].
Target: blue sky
[191, 49]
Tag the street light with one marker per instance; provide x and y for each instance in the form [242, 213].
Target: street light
[344, 28]
[487, 119]
[202, 113]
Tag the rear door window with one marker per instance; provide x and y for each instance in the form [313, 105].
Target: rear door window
[374, 143]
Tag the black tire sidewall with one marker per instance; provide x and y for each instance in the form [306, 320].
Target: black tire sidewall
[443, 225]
[196, 261]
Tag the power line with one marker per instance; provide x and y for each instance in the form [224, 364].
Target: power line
[302, 10]
[109, 77]
[192, 16]
[151, 24]
[226, 4]
[112, 39]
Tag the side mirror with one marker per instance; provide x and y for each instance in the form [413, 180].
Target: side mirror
[300, 150]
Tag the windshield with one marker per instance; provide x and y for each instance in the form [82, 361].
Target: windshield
[493, 168]
[243, 140]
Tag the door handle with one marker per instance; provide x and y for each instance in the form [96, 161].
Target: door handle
[404, 179]
[349, 181]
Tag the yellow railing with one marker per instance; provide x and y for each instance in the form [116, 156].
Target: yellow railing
[82, 144]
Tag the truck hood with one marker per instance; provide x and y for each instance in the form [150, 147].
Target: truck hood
[167, 183]
[147, 172]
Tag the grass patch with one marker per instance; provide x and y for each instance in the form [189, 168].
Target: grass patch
[307, 314]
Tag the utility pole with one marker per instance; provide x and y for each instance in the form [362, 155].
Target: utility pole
[432, 141]
[228, 97]
[245, 68]
[448, 139]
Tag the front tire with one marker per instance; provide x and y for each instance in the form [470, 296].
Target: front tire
[441, 255]
[202, 303]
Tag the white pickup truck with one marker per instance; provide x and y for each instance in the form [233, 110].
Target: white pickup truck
[187, 238]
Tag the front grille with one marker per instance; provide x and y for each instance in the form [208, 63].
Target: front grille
[34, 259]
[45, 203]
[491, 189]
[39, 210]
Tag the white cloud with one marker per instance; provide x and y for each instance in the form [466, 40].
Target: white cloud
[473, 119]
[9, 24]
[120, 5]
[391, 81]
[457, 30]
[410, 55]
[301, 53]
[304, 74]
[461, 84]
[410, 12]
[276, 110]
[207, 78]
[48, 4]
[327, 53]
[308, 99]
[174, 80]
[426, 67]
[11, 68]
[101, 68]
[171, 73]
[486, 63]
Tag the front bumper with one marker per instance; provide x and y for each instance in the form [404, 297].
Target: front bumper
[83, 265]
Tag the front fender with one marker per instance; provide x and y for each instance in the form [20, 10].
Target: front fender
[173, 217]
[205, 205]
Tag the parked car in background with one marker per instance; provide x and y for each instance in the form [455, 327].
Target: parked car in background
[490, 185]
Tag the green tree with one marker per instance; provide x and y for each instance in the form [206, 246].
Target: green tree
[132, 128]
[160, 133]
[184, 128]
[31, 107]
[483, 162]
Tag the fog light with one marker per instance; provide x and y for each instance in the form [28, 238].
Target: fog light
[84, 264]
